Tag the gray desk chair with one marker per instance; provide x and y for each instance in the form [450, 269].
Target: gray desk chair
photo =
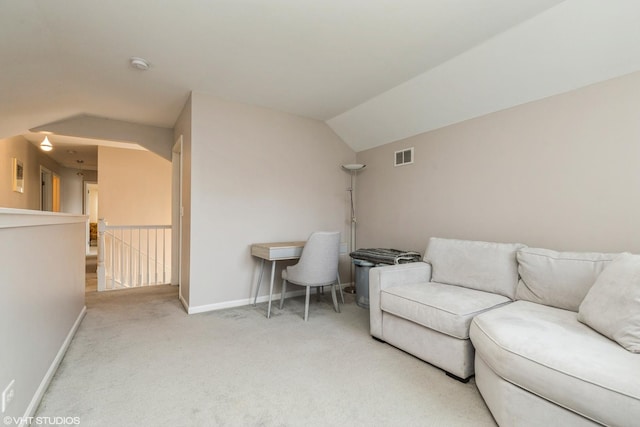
[317, 267]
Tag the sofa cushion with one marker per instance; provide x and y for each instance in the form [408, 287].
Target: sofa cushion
[445, 308]
[546, 351]
[558, 279]
[485, 266]
[612, 306]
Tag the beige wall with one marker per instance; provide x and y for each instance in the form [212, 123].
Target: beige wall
[257, 175]
[562, 173]
[73, 189]
[134, 186]
[42, 272]
[32, 159]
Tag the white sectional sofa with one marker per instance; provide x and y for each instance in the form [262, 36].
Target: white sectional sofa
[554, 337]
[426, 308]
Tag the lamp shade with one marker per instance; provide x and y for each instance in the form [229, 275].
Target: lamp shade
[353, 167]
[45, 145]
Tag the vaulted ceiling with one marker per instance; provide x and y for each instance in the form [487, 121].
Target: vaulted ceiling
[352, 63]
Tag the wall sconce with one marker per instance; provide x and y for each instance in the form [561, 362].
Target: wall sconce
[45, 145]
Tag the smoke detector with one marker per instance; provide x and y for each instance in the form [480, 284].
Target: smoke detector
[139, 63]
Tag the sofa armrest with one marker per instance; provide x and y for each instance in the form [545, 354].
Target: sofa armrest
[388, 276]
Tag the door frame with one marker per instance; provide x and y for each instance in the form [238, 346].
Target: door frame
[46, 189]
[86, 210]
[177, 212]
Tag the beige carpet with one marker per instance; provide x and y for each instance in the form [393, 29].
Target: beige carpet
[139, 360]
[91, 276]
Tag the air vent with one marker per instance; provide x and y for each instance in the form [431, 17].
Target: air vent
[404, 157]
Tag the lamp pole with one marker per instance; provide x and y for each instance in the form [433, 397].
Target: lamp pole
[353, 170]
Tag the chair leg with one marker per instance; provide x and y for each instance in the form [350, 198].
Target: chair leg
[318, 292]
[336, 307]
[340, 287]
[306, 304]
[283, 291]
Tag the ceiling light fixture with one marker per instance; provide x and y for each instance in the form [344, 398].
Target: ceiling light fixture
[80, 162]
[45, 145]
[139, 63]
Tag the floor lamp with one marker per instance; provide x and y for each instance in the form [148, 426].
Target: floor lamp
[353, 169]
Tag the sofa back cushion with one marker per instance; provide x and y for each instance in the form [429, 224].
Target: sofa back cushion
[612, 305]
[558, 279]
[485, 266]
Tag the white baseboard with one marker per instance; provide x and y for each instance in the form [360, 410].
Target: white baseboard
[242, 302]
[37, 397]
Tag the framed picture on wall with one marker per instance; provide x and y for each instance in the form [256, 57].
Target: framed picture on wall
[18, 176]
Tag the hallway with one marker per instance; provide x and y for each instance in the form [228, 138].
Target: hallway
[91, 275]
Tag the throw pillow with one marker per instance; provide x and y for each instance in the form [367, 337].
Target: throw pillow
[612, 305]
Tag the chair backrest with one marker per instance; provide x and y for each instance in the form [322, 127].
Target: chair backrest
[318, 264]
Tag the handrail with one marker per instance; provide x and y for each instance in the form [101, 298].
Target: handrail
[136, 227]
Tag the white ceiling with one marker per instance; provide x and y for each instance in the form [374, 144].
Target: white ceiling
[353, 63]
[315, 58]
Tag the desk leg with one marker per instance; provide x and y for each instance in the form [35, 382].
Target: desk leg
[255, 300]
[273, 273]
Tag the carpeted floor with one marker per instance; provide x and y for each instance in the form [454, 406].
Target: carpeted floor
[139, 360]
[91, 276]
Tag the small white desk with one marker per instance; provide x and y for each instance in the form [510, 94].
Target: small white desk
[274, 252]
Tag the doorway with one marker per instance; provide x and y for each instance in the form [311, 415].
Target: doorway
[49, 190]
[91, 210]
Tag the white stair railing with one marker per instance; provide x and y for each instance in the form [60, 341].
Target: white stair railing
[132, 256]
